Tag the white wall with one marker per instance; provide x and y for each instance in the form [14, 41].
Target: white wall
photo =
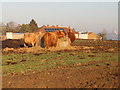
[77, 35]
[83, 36]
[9, 35]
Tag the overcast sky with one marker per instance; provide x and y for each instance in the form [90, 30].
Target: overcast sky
[83, 16]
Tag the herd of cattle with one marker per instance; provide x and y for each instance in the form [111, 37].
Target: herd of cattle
[48, 39]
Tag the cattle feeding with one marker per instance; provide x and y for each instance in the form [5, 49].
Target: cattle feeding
[51, 38]
[71, 35]
[31, 38]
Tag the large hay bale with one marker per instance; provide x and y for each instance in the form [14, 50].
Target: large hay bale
[40, 41]
[63, 42]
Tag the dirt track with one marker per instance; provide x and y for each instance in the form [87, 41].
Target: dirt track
[92, 75]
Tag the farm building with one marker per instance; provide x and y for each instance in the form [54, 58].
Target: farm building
[53, 28]
[11, 35]
[43, 29]
[48, 28]
[79, 35]
[89, 35]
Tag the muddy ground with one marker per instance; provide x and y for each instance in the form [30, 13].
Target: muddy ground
[18, 43]
[66, 77]
[93, 75]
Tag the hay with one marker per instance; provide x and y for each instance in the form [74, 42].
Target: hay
[63, 42]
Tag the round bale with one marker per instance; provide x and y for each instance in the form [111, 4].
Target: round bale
[63, 42]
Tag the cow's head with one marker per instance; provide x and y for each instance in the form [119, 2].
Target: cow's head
[60, 33]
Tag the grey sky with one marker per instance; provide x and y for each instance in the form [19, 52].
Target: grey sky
[83, 16]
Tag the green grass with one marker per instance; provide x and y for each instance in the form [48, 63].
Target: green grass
[50, 60]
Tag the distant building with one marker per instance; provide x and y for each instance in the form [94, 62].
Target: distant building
[83, 35]
[53, 28]
[76, 34]
[79, 35]
[89, 35]
[18, 35]
[11, 35]
[44, 29]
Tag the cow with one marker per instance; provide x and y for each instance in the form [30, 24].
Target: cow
[71, 35]
[51, 38]
[31, 38]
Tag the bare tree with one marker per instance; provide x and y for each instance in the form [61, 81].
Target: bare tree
[103, 34]
[12, 27]
[2, 28]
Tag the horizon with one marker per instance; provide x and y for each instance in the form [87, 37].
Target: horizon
[83, 16]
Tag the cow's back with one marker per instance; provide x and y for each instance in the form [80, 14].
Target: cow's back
[50, 39]
[28, 38]
[31, 38]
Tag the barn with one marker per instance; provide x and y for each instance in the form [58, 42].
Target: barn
[53, 28]
[78, 35]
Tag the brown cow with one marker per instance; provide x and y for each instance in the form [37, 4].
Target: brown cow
[51, 38]
[31, 38]
[71, 35]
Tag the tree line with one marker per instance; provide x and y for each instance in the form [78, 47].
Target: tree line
[16, 28]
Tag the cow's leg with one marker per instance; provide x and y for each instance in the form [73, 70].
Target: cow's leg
[25, 45]
[33, 44]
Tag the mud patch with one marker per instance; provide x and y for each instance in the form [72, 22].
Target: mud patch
[12, 43]
[23, 60]
[10, 63]
[91, 56]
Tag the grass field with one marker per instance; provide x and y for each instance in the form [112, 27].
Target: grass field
[40, 61]
[89, 64]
